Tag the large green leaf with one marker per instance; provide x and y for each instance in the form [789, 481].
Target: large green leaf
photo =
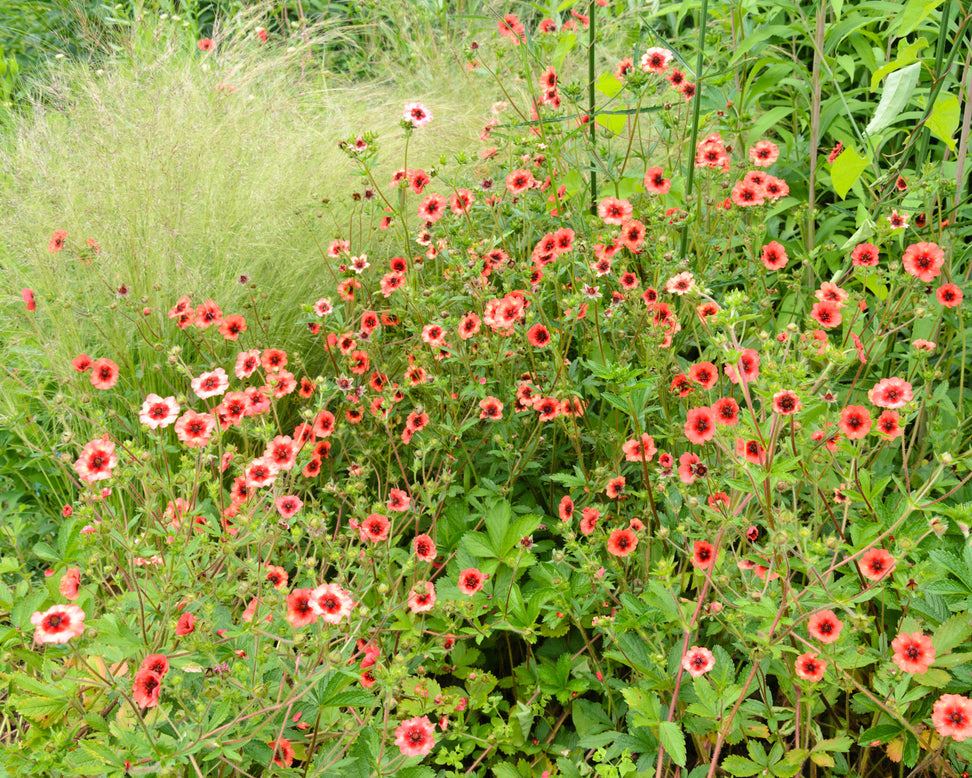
[846, 170]
[898, 89]
[671, 737]
[944, 119]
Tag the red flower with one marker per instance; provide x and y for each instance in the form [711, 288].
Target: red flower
[415, 736]
[614, 211]
[323, 424]
[97, 460]
[398, 500]
[333, 602]
[471, 581]
[826, 314]
[205, 44]
[747, 367]
[809, 667]
[923, 260]
[825, 626]
[273, 360]
[232, 327]
[891, 393]
[888, 423]
[491, 408]
[57, 241]
[745, 194]
[424, 548]
[277, 576]
[786, 403]
[58, 624]
[283, 752]
[622, 542]
[539, 336]
[589, 519]
[700, 425]
[207, 314]
[104, 374]
[655, 181]
[156, 663]
[704, 373]
[774, 256]
[690, 468]
[422, 597]
[375, 528]
[81, 363]
[146, 688]
[726, 412]
[519, 181]
[865, 255]
[764, 153]
[876, 564]
[751, 451]
[511, 27]
[288, 506]
[639, 450]
[186, 624]
[855, 422]
[615, 487]
[70, 582]
[949, 295]
[703, 554]
[433, 208]
[194, 429]
[952, 716]
[302, 608]
[913, 653]
[698, 661]
[566, 508]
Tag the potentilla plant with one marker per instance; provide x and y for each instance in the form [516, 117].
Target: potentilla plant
[539, 494]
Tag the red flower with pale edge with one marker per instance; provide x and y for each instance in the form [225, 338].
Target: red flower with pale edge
[82, 363]
[891, 393]
[747, 367]
[655, 181]
[491, 408]
[194, 429]
[146, 688]
[422, 597]
[698, 661]
[302, 608]
[277, 576]
[471, 581]
[158, 412]
[923, 260]
[97, 460]
[210, 384]
[104, 374]
[424, 548]
[764, 153]
[639, 450]
[786, 403]
[949, 295]
[415, 736]
[952, 716]
[913, 653]
[809, 667]
[186, 624]
[260, 472]
[58, 624]
[825, 626]
[876, 564]
[622, 542]
[323, 424]
[398, 500]
[288, 506]
[283, 752]
[855, 422]
[614, 211]
[207, 314]
[703, 554]
[519, 181]
[333, 602]
[700, 425]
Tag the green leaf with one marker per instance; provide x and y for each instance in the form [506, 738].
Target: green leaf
[906, 55]
[770, 119]
[608, 84]
[882, 733]
[934, 677]
[673, 740]
[914, 14]
[847, 168]
[613, 122]
[944, 119]
[951, 633]
[739, 765]
[477, 544]
[897, 92]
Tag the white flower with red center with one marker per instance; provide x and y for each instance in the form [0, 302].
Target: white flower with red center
[417, 114]
[334, 602]
[58, 624]
[698, 661]
[158, 412]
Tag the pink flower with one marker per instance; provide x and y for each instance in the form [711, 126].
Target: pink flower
[58, 624]
[415, 736]
[417, 114]
[698, 661]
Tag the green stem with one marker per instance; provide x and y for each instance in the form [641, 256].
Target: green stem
[696, 107]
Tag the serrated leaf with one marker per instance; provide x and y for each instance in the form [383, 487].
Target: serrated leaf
[882, 733]
[477, 544]
[847, 168]
[933, 677]
[952, 632]
[898, 88]
[673, 740]
[944, 119]
[740, 766]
